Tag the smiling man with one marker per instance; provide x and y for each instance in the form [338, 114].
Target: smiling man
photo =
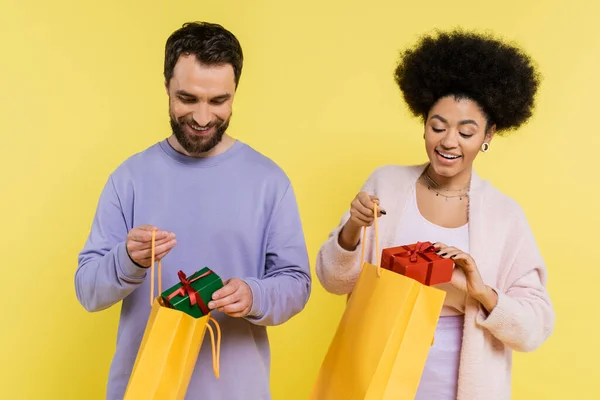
[215, 202]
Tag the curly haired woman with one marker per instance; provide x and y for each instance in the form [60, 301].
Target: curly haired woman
[467, 88]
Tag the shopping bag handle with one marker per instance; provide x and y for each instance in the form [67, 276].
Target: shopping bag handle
[153, 256]
[216, 347]
[364, 240]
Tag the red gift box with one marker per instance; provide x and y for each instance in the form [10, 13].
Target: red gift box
[418, 261]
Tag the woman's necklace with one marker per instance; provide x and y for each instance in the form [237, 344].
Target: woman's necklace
[435, 187]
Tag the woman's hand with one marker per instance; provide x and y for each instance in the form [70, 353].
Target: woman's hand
[361, 215]
[476, 288]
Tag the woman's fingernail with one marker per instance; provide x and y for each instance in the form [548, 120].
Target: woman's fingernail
[443, 254]
[453, 256]
[383, 212]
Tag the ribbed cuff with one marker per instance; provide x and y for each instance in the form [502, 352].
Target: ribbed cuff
[129, 269]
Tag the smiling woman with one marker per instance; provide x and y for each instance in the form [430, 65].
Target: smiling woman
[467, 88]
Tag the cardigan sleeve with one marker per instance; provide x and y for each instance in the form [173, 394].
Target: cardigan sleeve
[524, 316]
[337, 268]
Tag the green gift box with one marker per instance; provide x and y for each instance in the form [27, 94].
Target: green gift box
[193, 293]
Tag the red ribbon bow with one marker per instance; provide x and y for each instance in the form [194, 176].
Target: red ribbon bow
[420, 249]
[187, 289]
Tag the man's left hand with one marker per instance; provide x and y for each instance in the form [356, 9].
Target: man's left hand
[233, 299]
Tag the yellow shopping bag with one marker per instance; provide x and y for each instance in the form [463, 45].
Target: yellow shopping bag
[383, 339]
[169, 350]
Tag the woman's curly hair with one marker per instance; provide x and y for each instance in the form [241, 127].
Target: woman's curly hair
[498, 76]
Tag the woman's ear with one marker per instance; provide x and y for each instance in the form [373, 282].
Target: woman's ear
[489, 135]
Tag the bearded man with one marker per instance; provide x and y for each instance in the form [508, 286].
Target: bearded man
[212, 201]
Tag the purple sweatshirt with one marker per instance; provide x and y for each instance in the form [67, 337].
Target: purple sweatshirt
[235, 213]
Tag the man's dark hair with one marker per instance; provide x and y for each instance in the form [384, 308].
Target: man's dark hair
[210, 43]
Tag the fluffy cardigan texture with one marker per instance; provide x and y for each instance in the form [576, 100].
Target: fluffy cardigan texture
[508, 258]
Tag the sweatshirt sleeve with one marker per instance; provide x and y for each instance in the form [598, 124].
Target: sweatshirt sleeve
[337, 268]
[285, 288]
[106, 274]
[523, 317]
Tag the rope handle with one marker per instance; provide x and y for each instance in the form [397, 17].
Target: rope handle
[153, 256]
[364, 240]
[216, 347]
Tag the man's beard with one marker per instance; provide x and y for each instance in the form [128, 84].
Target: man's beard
[196, 144]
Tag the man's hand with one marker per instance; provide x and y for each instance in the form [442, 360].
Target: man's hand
[139, 244]
[233, 299]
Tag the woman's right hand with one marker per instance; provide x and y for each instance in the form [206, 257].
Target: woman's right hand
[361, 215]
[361, 210]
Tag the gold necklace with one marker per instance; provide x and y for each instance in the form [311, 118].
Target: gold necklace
[435, 187]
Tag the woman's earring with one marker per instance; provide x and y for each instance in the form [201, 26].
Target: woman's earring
[485, 147]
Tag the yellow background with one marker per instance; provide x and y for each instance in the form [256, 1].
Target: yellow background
[82, 89]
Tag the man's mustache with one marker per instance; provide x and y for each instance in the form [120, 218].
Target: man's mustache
[192, 121]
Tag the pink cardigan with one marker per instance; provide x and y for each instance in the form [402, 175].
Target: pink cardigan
[507, 256]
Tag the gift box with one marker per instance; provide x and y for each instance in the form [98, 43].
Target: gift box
[418, 261]
[193, 294]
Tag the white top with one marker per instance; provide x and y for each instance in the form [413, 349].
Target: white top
[440, 374]
[416, 228]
